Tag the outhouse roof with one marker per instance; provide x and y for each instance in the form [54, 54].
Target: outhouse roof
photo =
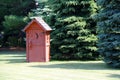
[41, 22]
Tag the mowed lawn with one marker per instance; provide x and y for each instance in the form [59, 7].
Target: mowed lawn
[13, 66]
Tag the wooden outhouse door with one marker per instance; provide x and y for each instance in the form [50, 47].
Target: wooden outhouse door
[36, 45]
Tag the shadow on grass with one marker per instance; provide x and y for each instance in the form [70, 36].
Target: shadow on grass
[20, 57]
[115, 76]
[14, 60]
[79, 65]
[13, 56]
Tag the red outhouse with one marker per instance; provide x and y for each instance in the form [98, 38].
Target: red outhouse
[37, 41]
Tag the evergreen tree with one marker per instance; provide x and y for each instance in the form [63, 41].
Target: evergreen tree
[42, 9]
[13, 35]
[74, 36]
[109, 31]
[15, 7]
[18, 9]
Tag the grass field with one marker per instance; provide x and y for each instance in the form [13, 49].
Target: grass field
[13, 66]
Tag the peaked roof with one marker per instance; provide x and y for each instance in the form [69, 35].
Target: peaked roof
[41, 22]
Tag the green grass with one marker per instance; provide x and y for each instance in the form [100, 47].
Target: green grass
[13, 66]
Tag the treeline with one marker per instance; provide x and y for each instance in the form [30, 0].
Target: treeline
[82, 29]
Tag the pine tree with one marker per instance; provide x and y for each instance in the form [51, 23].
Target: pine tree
[13, 10]
[16, 7]
[42, 9]
[74, 36]
[109, 31]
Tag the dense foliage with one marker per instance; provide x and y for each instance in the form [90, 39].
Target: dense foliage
[108, 22]
[16, 7]
[12, 27]
[12, 13]
[74, 35]
[41, 10]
